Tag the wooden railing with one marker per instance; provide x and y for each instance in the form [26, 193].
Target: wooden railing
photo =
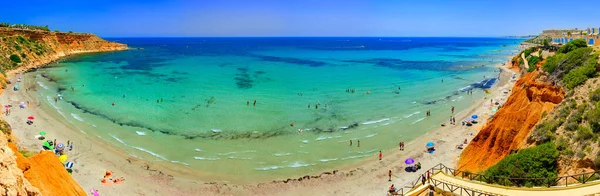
[459, 190]
[519, 182]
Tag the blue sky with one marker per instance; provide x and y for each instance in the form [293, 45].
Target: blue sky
[156, 18]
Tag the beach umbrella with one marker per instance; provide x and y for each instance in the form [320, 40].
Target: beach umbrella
[42, 133]
[409, 161]
[474, 116]
[30, 118]
[62, 158]
[60, 146]
[430, 144]
[69, 165]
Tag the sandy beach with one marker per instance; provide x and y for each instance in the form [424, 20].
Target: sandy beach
[93, 157]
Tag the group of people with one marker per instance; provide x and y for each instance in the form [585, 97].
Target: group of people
[358, 144]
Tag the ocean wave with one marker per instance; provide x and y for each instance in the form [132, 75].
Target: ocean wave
[43, 85]
[227, 153]
[375, 121]
[409, 115]
[241, 158]
[77, 117]
[371, 135]
[207, 158]
[282, 154]
[304, 141]
[354, 157]
[198, 150]
[323, 138]
[180, 162]
[367, 152]
[139, 148]
[293, 165]
[140, 132]
[268, 168]
[216, 130]
[418, 120]
[327, 160]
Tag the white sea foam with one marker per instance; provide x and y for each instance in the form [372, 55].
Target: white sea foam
[216, 130]
[77, 117]
[375, 121]
[323, 138]
[43, 85]
[268, 168]
[282, 154]
[409, 115]
[304, 141]
[207, 158]
[354, 157]
[299, 164]
[227, 153]
[198, 150]
[371, 135]
[418, 120]
[139, 148]
[180, 162]
[140, 132]
[327, 160]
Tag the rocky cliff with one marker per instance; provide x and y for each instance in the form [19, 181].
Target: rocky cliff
[511, 125]
[20, 50]
[25, 49]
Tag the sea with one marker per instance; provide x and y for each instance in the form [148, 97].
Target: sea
[270, 107]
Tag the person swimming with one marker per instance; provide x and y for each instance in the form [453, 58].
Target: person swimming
[291, 124]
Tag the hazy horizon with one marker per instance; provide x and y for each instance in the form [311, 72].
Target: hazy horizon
[309, 18]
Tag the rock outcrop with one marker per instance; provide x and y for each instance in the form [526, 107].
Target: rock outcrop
[12, 179]
[37, 48]
[511, 125]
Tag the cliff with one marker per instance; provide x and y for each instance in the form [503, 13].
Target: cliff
[21, 50]
[512, 124]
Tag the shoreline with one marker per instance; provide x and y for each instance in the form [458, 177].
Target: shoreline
[140, 172]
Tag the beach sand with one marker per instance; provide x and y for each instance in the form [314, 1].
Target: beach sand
[93, 157]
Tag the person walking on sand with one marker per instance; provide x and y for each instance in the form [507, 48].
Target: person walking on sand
[390, 175]
[400, 146]
[380, 155]
[454, 120]
[402, 143]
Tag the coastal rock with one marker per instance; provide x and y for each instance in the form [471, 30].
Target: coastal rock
[511, 125]
[12, 180]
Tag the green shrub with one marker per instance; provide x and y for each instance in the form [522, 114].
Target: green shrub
[584, 133]
[18, 47]
[552, 62]
[580, 74]
[26, 153]
[595, 95]
[536, 162]
[575, 44]
[544, 132]
[527, 52]
[15, 58]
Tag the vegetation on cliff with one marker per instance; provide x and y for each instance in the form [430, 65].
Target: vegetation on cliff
[25, 26]
[567, 137]
[535, 162]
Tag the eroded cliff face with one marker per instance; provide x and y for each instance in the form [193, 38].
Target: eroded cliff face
[512, 124]
[12, 179]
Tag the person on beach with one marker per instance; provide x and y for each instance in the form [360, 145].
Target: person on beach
[300, 131]
[423, 179]
[358, 143]
[291, 124]
[454, 120]
[247, 102]
[309, 105]
[452, 109]
[390, 175]
[317, 106]
[380, 155]
[450, 119]
[402, 144]
[428, 176]
[113, 103]
[254, 102]
[350, 142]
[71, 147]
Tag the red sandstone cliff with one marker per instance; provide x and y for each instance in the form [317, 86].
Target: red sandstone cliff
[512, 124]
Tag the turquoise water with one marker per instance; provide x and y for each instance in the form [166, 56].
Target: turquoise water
[190, 101]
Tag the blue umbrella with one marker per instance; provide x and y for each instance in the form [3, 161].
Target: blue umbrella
[409, 161]
[430, 144]
[474, 116]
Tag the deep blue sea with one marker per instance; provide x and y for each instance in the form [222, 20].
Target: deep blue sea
[191, 101]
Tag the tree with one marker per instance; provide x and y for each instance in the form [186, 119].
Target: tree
[15, 58]
[536, 162]
[546, 43]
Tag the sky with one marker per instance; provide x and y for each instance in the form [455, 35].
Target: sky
[249, 18]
